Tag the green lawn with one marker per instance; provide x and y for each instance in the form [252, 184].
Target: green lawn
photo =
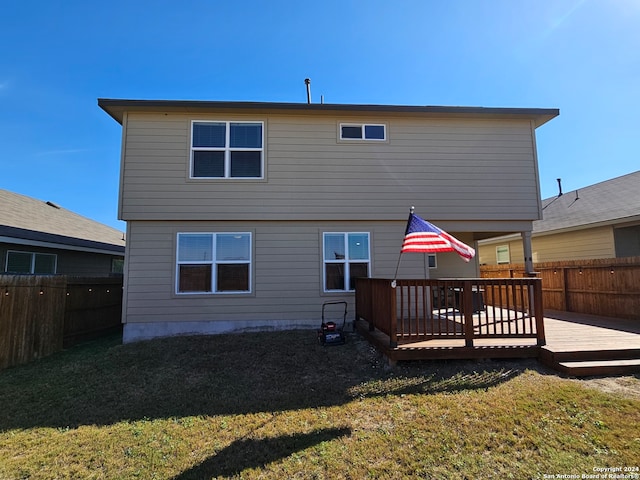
[278, 405]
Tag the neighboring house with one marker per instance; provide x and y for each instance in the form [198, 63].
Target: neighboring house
[38, 237]
[245, 215]
[598, 221]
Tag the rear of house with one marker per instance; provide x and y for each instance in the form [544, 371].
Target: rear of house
[252, 215]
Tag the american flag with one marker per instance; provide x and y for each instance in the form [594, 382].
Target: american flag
[424, 237]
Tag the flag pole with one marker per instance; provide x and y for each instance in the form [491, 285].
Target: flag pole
[395, 276]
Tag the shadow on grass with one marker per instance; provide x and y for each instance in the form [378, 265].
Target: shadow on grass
[256, 453]
[104, 382]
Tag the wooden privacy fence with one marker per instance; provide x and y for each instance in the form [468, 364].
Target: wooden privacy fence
[40, 315]
[606, 287]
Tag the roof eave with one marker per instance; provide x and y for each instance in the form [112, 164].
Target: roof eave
[116, 108]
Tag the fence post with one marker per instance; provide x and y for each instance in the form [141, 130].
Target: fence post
[565, 293]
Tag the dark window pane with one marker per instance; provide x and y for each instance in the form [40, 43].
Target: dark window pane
[334, 276]
[627, 241]
[357, 270]
[246, 164]
[18, 262]
[209, 134]
[208, 164]
[245, 135]
[432, 261]
[233, 278]
[45, 264]
[351, 131]
[195, 278]
[374, 132]
[117, 265]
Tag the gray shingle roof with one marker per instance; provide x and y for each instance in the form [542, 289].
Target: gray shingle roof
[28, 218]
[612, 201]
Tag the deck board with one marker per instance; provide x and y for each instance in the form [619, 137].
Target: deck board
[568, 332]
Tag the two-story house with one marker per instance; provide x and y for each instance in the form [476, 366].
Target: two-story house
[244, 215]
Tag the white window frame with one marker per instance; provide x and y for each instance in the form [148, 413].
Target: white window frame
[363, 127]
[498, 256]
[435, 261]
[214, 262]
[33, 261]
[227, 149]
[345, 261]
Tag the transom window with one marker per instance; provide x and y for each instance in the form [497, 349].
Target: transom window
[31, 263]
[363, 131]
[346, 257]
[227, 150]
[214, 263]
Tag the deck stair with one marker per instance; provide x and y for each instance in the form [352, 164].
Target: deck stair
[583, 363]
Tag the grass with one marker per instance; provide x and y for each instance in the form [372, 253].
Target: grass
[278, 405]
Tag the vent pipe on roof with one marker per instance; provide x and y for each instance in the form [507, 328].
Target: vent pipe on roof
[307, 82]
[559, 186]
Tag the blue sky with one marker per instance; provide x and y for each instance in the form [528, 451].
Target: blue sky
[57, 57]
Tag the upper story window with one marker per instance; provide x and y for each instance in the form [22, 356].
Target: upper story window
[227, 150]
[363, 131]
[31, 263]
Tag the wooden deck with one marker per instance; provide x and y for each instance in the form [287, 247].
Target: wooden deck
[582, 345]
[576, 344]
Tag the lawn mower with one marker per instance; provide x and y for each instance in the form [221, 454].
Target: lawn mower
[330, 333]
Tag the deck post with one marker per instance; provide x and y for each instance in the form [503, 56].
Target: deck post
[538, 310]
[393, 331]
[528, 256]
[467, 312]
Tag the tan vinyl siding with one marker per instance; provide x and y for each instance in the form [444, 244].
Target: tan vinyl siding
[487, 254]
[457, 169]
[576, 245]
[287, 270]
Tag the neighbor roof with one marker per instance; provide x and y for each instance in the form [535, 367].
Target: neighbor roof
[116, 108]
[612, 201]
[35, 222]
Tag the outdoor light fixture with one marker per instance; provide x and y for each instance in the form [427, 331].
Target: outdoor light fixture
[555, 271]
[580, 272]
[611, 271]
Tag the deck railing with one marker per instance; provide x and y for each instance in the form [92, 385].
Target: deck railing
[418, 310]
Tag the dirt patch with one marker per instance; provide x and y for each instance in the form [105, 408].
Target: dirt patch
[625, 386]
